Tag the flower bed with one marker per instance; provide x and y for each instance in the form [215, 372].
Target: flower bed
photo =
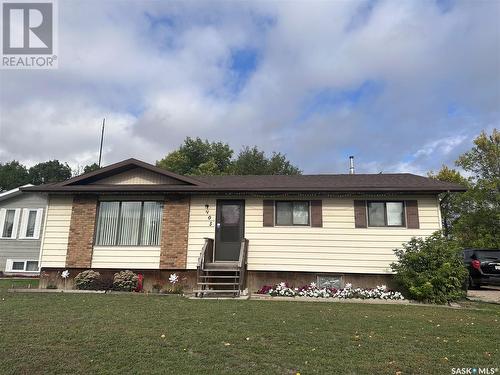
[283, 290]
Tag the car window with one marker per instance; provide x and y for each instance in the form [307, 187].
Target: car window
[485, 254]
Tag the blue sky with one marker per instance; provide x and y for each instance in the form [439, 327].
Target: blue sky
[403, 86]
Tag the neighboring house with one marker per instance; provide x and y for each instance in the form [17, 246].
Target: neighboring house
[237, 232]
[21, 223]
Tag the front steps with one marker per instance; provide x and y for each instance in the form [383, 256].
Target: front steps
[219, 280]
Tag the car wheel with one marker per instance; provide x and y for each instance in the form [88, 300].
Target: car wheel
[473, 285]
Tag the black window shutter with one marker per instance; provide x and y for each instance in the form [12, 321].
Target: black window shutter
[268, 217]
[360, 214]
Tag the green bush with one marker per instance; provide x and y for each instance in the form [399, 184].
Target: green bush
[88, 280]
[125, 281]
[431, 270]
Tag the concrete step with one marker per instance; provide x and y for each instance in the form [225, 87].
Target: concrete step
[216, 291]
[209, 283]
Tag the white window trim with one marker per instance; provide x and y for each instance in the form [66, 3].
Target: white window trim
[17, 213]
[10, 262]
[24, 223]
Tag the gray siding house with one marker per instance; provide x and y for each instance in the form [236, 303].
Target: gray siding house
[21, 226]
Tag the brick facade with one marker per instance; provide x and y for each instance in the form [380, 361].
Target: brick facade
[81, 232]
[174, 235]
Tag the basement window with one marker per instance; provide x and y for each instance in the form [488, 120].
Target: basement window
[129, 223]
[21, 265]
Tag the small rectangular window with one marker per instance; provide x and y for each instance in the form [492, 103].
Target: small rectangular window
[30, 227]
[31, 220]
[21, 265]
[32, 265]
[386, 214]
[8, 226]
[290, 213]
[18, 266]
[395, 213]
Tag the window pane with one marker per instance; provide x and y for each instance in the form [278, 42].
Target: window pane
[129, 223]
[9, 223]
[18, 266]
[107, 223]
[301, 213]
[31, 265]
[395, 213]
[231, 214]
[151, 224]
[284, 213]
[376, 214]
[30, 229]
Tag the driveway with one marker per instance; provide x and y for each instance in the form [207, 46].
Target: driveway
[485, 294]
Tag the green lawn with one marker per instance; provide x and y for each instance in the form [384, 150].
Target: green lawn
[69, 333]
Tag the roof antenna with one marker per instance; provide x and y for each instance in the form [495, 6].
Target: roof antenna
[102, 138]
[351, 164]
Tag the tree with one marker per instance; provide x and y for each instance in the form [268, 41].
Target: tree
[479, 224]
[473, 217]
[278, 164]
[196, 157]
[250, 161]
[91, 167]
[253, 161]
[12, 175]
[49, 171]
[484, 158]
[451, 203]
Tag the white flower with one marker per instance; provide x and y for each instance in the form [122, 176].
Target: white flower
[348, 286]
[312, 285]
[65, 274]
[173, 278]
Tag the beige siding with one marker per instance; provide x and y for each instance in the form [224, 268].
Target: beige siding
[138, 176]
[135, 257]
[56, 232]
[336, 247]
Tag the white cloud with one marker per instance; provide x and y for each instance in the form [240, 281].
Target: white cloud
[158, 71]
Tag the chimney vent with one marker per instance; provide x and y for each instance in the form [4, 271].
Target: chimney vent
[351, 164]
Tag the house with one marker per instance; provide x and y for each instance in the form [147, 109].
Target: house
[240, 232]
[21, 224]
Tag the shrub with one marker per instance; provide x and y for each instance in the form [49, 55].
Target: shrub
[125, 281]
[88, 280]
[431, 270]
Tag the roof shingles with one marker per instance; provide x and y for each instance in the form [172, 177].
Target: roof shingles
[326, 183]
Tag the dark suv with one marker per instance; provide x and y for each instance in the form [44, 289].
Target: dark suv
[483, 266]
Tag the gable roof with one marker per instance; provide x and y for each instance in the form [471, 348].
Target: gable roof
[12, 193]
[121, 167]
[326, 183]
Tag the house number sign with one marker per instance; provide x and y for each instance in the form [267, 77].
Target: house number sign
[209, 217]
